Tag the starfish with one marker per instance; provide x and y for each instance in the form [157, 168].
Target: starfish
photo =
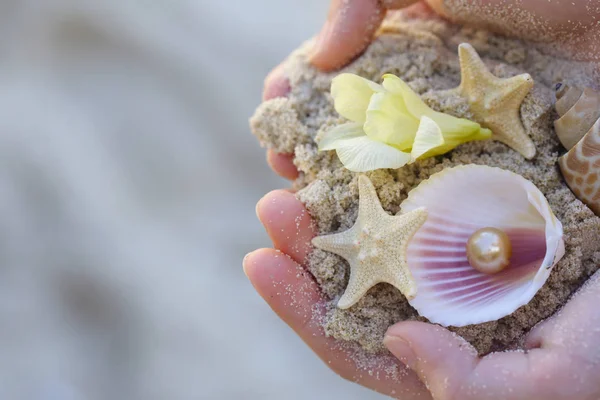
[375, 247]
[495, 102]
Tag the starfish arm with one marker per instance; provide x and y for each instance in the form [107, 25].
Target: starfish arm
[343, 244]
[361, 280]
[507, 130]
[405, 283]
[369, 206]
[472, 68]
[513, 91]
[408, 224]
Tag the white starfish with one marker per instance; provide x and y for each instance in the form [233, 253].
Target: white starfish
[375, 247]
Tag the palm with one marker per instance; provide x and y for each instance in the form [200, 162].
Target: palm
[562, 360]
[280, 278]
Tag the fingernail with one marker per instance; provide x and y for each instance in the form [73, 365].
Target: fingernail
[321, 38]
[245, 263]
[257, 208]
[276, 84]
[401, 349]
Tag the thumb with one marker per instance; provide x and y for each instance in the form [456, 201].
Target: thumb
[440, 358]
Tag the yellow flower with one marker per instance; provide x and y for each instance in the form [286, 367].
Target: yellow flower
[391, 126]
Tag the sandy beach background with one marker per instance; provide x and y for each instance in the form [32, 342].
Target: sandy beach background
[127, 192]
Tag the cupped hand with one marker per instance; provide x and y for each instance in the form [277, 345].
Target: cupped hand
[571, 27]
[561, 360]
[562, 356]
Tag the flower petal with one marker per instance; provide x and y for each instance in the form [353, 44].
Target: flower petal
[363, 154]
[456, 138]
[455, 126]
[388, 121]
[429, 136]
[412, 101]
[333, 137]
[455, 130]
[351, 94]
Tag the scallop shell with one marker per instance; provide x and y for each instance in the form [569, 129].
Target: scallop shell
[460, 201]
[578, 109]
[578, 129]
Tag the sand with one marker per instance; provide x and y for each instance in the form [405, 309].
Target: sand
[424, 53]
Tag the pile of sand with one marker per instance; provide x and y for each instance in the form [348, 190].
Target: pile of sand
[424, 54]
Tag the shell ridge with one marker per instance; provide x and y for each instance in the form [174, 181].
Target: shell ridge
[566, 103]
[554, 233]
[449, 270]
[461, 288]
[451, 280]
[422, 234]
[471, 317]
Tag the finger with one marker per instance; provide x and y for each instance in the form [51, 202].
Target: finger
[565, 363]
[294, 296]
[282, 164]
[538, 20]
[441, 359]
[574, 330]
[572, 336]
[288, 223]
[276, 84]
[349, 28]
[450, 368]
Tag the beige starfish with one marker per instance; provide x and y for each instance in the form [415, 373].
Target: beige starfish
[375, 247]
[495, 102]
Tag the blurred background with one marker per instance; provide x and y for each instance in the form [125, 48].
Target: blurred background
[127, 193]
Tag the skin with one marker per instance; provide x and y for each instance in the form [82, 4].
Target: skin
[562, 355]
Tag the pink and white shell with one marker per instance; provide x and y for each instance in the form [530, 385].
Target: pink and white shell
[460, 201]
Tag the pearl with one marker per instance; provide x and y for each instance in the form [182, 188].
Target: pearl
[489, 250]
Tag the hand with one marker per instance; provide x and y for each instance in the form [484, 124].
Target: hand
[562, 360]
[570, 26]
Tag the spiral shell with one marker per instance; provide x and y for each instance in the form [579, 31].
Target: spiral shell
[578, 129]
[450, 291]
[578, 110]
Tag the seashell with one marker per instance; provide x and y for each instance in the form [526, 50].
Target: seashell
[450, 291]
[581, 168]
[578, 110]
[578, 129]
